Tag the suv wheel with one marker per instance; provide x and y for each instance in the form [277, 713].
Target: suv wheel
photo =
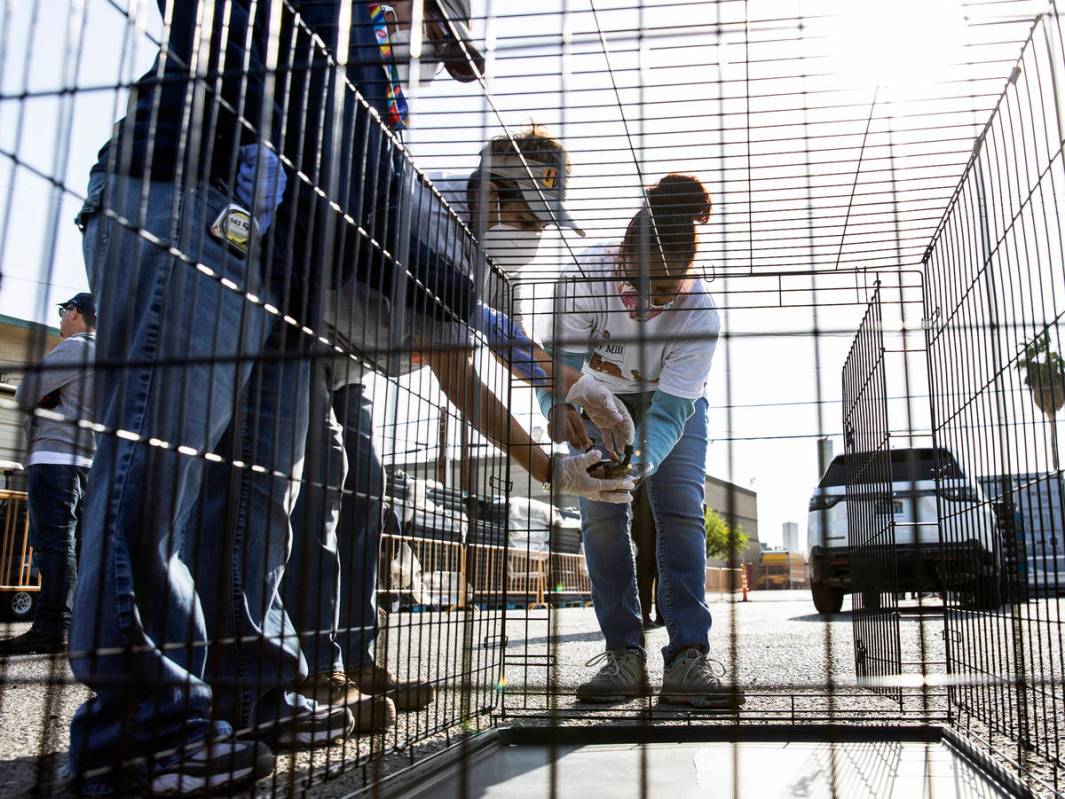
[827, 598]
[986, 593]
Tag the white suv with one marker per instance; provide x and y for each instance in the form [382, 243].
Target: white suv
[963, 558]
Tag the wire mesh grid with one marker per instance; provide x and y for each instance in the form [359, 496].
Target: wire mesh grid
[366, 282]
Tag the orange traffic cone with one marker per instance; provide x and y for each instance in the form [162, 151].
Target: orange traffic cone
[743, 583]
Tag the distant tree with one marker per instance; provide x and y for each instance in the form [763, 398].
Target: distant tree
[1044, 374]
[723, 541]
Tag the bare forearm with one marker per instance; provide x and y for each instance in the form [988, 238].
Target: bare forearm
[460, 384]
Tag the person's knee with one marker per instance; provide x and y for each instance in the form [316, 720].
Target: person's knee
[602, 529]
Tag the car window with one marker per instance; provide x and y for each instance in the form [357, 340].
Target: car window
[907, 465]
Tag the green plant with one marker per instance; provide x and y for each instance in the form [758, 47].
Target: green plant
[1039, 357]
[723, 541]
[1044, 374]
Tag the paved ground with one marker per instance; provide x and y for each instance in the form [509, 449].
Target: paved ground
[781, 650]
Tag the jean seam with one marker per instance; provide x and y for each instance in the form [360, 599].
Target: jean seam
[671, 627]
[633, 587]
[129, 454]
[660, 544]
[245, 700]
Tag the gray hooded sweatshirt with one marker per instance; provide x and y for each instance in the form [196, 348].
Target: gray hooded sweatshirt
[64, 381]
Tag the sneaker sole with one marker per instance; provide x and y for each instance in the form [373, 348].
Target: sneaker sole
[193, 785]
[603, 699]
[725, 701]
[313, 739]
[190, 785]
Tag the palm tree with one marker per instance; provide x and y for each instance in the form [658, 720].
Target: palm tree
[1044, 374]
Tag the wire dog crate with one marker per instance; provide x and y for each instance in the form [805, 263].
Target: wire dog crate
[314, 392]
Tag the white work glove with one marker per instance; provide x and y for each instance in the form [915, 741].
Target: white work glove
[569, 474]
[605, 410]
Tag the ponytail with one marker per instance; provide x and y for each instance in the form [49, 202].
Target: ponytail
[674, 206]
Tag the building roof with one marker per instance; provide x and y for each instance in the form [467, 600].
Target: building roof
[731, 486]
[26, 324]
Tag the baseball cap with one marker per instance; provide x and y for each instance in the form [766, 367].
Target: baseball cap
[544, 192]
[82, 301]
[458, 13]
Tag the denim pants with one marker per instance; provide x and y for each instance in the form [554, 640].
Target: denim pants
[174, 350]
[55, 496]
[676, 493]
[330, 583]
[238, 540]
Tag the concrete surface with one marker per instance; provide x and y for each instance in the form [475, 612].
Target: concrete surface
[810, 770]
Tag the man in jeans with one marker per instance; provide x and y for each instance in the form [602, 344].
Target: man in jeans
[202, 364]
[60, 456]
[180, 337]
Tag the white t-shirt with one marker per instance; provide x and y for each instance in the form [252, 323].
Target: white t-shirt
[43, 457]
[589, 317]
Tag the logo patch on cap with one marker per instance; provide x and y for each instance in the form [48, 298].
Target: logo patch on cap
[550, 178]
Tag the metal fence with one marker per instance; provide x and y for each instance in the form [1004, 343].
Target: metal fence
[993, 306]
[870, 502]
[316, 544]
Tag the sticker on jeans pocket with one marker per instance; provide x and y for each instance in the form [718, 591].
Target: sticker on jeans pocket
[234, 227]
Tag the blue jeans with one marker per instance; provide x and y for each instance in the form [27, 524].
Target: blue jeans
[138, 633]
[330, 586]
[676, 493]
[55, 495]
[238, 539]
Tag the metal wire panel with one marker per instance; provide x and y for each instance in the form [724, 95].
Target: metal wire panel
[870, 502]
[993, 274]
[311, 408]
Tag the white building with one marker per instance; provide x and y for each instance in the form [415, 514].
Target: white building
[791, 537]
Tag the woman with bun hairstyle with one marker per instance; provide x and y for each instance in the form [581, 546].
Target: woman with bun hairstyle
[633, 317]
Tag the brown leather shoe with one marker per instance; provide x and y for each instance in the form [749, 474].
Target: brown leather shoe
[407, 694]
[372, 713]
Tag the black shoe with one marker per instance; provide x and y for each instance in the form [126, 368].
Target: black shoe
[322, 727]
[213, 767]
[33, 642]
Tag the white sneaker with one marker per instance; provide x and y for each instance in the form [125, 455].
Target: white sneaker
[690, 679]
[622, 677]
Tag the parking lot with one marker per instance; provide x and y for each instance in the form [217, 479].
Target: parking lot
[784, 652]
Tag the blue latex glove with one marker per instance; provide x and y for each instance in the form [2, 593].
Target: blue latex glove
[261, 182]
[509, 341]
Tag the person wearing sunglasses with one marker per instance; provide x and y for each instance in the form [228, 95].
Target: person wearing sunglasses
[634, 317]
[60, 455]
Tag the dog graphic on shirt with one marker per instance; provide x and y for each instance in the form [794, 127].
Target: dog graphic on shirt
[601, 364]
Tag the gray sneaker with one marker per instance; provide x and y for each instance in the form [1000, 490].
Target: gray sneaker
[623, 676]
[691, 679]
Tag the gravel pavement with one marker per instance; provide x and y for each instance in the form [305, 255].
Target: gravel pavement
[782, 653]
